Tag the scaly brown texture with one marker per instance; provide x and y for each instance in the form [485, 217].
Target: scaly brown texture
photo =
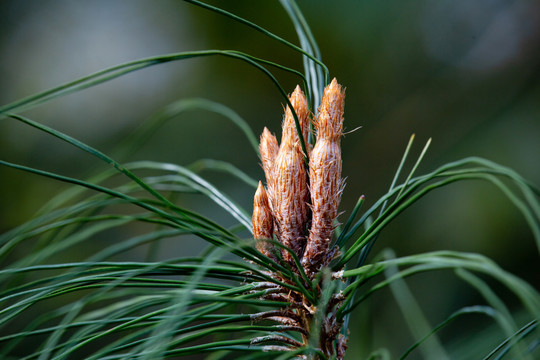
[289, 181]
[268, 148]
[290, 208]
[263, 222]
[326, 185]
[299, 103]
[289, 198]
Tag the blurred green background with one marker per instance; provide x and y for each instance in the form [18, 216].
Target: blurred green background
[466, 73]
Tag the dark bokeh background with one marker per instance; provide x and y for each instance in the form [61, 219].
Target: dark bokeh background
[465, 73]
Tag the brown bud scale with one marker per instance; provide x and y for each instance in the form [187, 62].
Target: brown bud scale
[294, 200]
[263, 222]
[326, 184]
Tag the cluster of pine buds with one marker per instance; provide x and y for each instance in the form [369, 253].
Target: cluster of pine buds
[299, 206]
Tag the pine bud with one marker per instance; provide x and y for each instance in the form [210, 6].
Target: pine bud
[263, 222]
[329, 124]
[268, 148]
[299, 103]
[289, 186]
[326, 185]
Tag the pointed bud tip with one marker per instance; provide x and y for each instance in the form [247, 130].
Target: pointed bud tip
[262, 220]
[330, 118]
[299, 102]
[268, 150]
[268, 144]
[335, 87]
[260, 195]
